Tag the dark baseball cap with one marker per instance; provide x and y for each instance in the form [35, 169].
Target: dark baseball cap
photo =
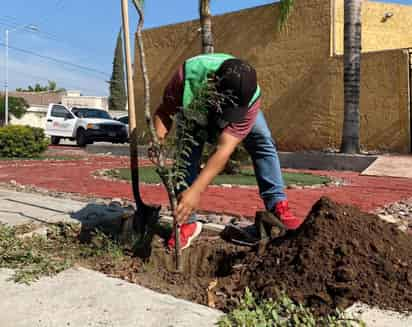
[236, 79]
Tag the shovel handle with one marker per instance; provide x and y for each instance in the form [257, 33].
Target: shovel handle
[177, 248]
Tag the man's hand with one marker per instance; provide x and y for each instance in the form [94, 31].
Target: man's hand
[188, 202]
[189, 199]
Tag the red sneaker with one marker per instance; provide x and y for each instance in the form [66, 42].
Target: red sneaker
[188, 232]
[283, 212]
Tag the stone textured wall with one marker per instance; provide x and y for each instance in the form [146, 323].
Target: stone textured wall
[377, 33]
[38, 98]
[301, 82]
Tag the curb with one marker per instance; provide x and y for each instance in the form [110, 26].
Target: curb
[312, 160]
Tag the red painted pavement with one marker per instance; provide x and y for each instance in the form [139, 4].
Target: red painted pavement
[76, 176]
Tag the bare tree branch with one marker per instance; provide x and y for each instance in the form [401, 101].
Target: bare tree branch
[160, 161]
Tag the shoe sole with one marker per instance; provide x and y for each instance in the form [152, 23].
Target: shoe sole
[195, 234]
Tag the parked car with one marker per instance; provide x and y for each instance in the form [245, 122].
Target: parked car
[124, 120]
[85, 125]
[143, 137]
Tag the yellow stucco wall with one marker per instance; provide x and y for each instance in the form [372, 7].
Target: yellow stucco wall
[377, 33]
[384, 103]
[301, 82]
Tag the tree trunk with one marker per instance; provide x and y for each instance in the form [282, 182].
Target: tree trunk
[117, 98]
[206, 26]
[352, 61]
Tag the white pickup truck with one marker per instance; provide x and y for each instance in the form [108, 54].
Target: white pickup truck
[85, 125]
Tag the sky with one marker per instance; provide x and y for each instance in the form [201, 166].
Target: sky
[75, 39]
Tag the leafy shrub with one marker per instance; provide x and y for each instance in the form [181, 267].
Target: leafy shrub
[22, 141]
[17, 107]
[281, 313]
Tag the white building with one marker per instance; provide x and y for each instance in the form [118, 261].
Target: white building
[76, 99]
[35, 116]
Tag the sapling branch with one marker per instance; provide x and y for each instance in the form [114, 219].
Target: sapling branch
[191, 129]
[159, 161]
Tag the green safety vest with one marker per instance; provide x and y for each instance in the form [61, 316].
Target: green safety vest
[196, 72]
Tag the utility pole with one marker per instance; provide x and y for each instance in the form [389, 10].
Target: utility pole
[129, 69]
[6, 83]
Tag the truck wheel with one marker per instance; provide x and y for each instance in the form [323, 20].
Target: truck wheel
[81, 138]
[55, 140]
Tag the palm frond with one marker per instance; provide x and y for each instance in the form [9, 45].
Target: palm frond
[139, 3]
[286, 7]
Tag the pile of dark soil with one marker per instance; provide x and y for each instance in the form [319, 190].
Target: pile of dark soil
[339, 256]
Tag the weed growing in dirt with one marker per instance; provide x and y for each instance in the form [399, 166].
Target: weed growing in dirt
[36, 256]
[282, 313]
[31, 257]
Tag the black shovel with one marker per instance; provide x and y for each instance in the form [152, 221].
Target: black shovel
[266, 228]
[137, 228]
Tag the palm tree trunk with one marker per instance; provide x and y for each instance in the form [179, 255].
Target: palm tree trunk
[352, 60]
[206, 26]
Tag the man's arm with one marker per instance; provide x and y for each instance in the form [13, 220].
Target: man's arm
[162, 124]
[189, 199]
[172, 100]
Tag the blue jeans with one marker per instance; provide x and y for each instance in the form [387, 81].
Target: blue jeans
[262, 150]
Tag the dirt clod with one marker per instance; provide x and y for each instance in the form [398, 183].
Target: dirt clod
[339, 256]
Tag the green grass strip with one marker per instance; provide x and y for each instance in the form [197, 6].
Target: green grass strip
[246, 177]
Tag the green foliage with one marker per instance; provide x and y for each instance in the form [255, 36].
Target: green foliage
[101, 245]
[238, 158]
[281, 313]
[17, 107]
[51, 87]
[22, 141]
[31, 258]
[36, 256]
[192, 129]
[184, 141]
[117, 99]
[286, 7]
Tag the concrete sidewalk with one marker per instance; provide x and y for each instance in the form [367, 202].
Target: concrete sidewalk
[18, 208]
[392, 166]
[80, 297]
